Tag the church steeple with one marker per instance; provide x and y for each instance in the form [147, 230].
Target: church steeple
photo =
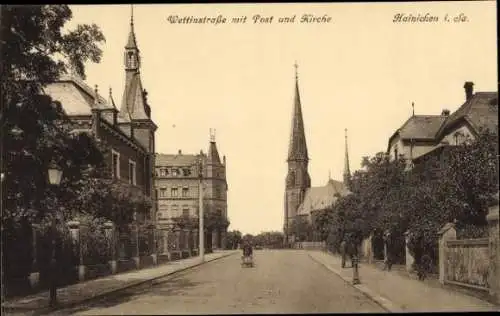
[134, 103]
[132, 57]
[347, 171]
[297, 180]
[297, 149]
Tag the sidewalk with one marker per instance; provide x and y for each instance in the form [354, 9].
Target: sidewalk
[397, 293]
[78, 293]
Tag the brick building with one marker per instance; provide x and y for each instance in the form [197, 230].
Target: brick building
[177, 186]
[128, 132]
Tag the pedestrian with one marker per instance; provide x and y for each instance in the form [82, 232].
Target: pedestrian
[424, 267]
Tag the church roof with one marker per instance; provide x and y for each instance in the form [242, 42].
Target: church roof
[319, 198]
[297, 149]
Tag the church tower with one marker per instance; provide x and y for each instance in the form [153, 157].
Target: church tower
[298, 179]
[347, 171]
[135, 112]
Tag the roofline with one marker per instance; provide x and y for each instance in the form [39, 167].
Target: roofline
[397, 132]
[454, 124]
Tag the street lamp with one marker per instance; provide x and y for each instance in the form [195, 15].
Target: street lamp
[55, 175]
[201, 229]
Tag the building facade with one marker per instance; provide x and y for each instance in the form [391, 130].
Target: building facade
[422, 135]
[128, 132]
[177, 186]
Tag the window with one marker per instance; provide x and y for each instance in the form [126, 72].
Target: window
[185, 211]
[218, 194]
[163, 172]
[174, 192]
[174, 172]
[396, 153]
[174, 211]
[185, 192]
[131, 172]
[163, 192]
[187, 172]
[115, 164]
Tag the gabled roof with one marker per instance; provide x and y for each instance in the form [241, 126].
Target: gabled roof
[318, 198]
[76, 97]
[419, 127]
[480, 111]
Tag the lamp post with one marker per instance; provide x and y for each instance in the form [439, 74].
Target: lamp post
[201, 229]
[2, 177]
[170, 225]
[355, 272]
[55, 175]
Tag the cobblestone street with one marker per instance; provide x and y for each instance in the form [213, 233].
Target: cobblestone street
[280, 282]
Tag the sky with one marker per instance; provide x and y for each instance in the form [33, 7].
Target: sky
[360, 71]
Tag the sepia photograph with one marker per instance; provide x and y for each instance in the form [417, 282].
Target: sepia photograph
[249, 158]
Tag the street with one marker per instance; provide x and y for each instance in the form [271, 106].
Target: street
[282, 281]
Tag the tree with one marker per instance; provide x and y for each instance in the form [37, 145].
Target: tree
[233, 239]
[271, 239]
[34, 128]
[301, 228]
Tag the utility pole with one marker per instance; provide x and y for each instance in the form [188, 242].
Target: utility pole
[201, 229]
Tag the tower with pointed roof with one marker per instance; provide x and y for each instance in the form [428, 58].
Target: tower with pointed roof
[135, 112]
[216, 188]
[347, 171]
[297, 179]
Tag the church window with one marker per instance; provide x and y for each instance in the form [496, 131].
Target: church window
[395, 152]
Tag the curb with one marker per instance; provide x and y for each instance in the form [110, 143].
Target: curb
[46, 310]
[380, 300]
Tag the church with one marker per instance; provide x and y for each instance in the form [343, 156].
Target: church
[302, 200]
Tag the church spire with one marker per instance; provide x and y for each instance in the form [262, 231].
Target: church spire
[297, 149]
[347, 171]
[131, 43]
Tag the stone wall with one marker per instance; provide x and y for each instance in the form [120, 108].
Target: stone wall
[473, 263]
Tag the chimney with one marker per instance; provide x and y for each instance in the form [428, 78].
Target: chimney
[469, 90]
[445, 112]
